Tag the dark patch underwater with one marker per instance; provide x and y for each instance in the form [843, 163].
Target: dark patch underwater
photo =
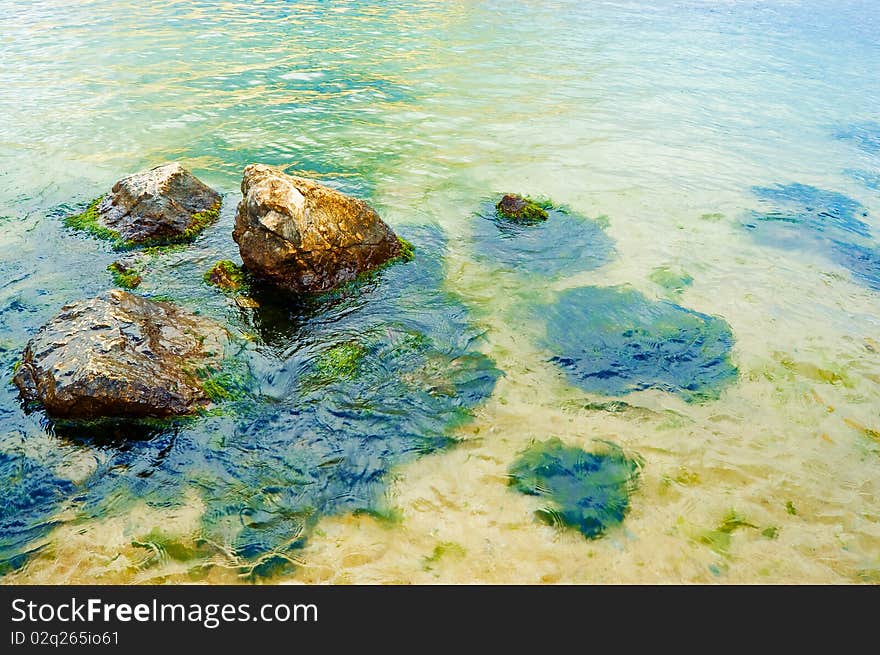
[813, 209]
[586, 491]
[867, 178]
[31, 494]
[865, 136]
[798, 216]
[614, 341]
[300, 444]
[564, 243]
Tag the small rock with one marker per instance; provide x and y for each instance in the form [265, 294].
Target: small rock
[517, 208]
[120, 355]
[226, 276]
[125, 275]
[246, 302]
[162, 205]
[306, 237]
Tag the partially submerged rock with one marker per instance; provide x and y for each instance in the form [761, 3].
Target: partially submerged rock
[125, 275]
[225, 275]
[305, 237]
[516, 208]
[120, 355]
[166, 204]
[563, 244]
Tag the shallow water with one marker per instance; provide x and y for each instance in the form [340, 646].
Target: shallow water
[667, 130]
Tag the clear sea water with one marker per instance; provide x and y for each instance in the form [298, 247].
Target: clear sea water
[721, 156]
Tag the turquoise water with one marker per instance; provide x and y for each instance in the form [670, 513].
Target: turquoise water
[719, 156]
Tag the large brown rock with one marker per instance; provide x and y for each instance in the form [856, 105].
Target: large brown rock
[120, 355]
[166, 203]
[306, 237]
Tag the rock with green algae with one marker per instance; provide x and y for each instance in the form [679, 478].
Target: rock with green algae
[125, 275]
[163, 205]
[120, 355]
[341, 361]
[226, 275]
[561, 244]
[305, 237]
[517, 208]
[586, 491]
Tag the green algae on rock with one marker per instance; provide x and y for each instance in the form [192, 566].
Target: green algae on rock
[226, 275]
[162, 206]
[407, 250]
[305, 237]
[615, 341]
[119, 355]
[124, 276]
[586, 491]
[223, 383]
[562, 244]
[89, 221]
[340, 362]
[514, 207]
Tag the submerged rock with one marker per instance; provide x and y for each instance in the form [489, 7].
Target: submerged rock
[865, 136]
[586, 491]
[564, 243]
[516, 208]
[120, 355]
[305, 237]
[165, 204]
[615, 341]
[799, 216]
[814, 210]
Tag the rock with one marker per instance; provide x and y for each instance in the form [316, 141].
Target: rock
[163, 205]
[517, 208]
[225, 275]
[246, 302]
[120, 355]
[566, 243]
[125, 275]
[306, 237]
